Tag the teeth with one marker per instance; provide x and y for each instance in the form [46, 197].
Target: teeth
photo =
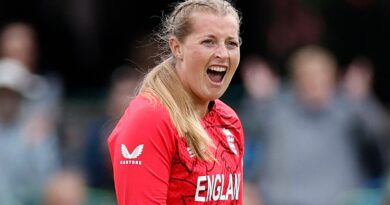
[217, 68]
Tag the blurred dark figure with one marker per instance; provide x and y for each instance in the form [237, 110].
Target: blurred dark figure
[28, 156]
[261, 87]
[124, 81]
[357, 86]
[310, 135]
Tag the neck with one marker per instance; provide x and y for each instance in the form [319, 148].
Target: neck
[202, 108]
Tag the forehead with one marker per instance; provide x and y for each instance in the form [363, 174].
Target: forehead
[206, 23]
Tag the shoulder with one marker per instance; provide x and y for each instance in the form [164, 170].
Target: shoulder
[145, 123]
[144, 116]
[144, 103]
[224, 110]
[143, 109]
[226, 116]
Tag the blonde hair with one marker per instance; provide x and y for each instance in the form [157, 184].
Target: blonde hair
[163, 82]
[178, 23]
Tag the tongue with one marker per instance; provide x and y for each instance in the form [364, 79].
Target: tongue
[215, 76]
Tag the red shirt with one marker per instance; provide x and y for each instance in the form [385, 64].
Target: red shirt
[152, 164]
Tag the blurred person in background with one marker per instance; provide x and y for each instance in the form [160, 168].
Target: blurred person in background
[261, 86]
[357, 90]
[18, 40]
[27, 158]
[310, 137]
[124, 81]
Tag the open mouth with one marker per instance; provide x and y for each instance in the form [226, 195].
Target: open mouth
[216, 73]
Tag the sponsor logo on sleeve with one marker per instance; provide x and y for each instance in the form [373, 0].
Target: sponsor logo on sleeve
[131, 158]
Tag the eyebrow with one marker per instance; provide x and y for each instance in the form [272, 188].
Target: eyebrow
[213, 36]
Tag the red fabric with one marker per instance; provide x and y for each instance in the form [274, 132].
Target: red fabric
[153, 165]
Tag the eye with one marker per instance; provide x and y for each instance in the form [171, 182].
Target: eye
[208, 42]
[232, 44]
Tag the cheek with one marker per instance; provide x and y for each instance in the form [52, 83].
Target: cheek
[196, 62]
[200, 55]
[235, 59]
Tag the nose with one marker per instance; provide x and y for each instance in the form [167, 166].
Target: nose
[222, 52]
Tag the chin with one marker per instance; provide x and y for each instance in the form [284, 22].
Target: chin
[216, 95]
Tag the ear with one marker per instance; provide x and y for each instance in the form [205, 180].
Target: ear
[175, 47]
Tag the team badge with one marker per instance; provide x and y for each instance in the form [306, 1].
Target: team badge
[230, 140]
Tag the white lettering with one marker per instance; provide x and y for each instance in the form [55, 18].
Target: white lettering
[230, 188]
[130, 162]
[215, 188]
[210, 187]
[236, 186]
[222, 197]
[200, 188]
